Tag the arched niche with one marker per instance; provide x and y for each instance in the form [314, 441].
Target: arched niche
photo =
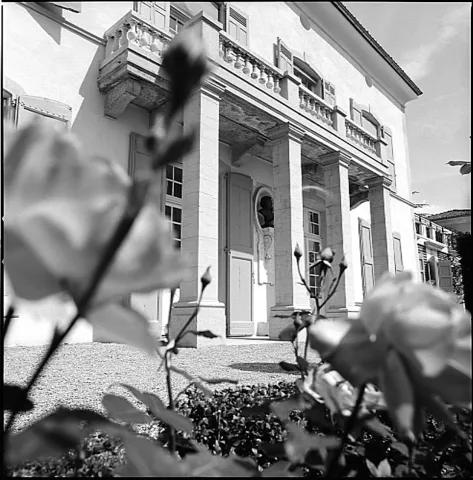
[263, 207]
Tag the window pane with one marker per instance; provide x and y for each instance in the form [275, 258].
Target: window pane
[169, 171]
[176, 215]
[177, 230]
[178, 174]
[177, 244]
[178, 190]
[167, 211]
[169, 189]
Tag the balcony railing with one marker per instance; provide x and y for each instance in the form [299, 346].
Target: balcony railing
[361, 137]
[250, 64]
[313, 105]
[134, 30]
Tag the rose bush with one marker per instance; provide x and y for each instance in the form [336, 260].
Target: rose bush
[411, 340]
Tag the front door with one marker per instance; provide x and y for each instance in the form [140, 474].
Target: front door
[240, 256]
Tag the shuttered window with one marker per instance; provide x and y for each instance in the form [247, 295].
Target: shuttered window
[366, 251]
[329, 93]
[445, 279]
[157, 13]
[284, 58]
[398, 263]
[237, 24]
[355, 112]
[51, 112]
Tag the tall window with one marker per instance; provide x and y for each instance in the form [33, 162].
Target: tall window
[312, 247]
[173, 206]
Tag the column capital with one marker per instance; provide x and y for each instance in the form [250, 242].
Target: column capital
[213, 88]
[286, 130]
[379, 181]
[335, 157]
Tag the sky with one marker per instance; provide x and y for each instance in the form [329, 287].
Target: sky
[431, 43]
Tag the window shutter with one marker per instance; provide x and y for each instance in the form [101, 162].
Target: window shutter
[445, 275]
[53, 113]
[355, 112]
[399, 266]
[284, 59]
[366, 250]
[329, 93]
[72, 6]
[139, 164]
[237, 24]
[156, 13]
[389, 147]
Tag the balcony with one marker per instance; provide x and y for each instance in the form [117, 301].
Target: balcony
[258, 95]
[130, 70]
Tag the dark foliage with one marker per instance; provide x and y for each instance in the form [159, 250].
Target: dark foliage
[222, 425]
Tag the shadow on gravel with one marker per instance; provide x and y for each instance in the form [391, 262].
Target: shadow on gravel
[260, 367]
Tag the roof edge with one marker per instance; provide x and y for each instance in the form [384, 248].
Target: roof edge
[362, 30]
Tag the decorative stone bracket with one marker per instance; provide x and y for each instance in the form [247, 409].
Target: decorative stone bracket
[119, 96]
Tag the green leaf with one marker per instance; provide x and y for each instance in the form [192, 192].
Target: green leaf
[55, 434]
[289, 367]
[384, 469]
[159, 410]
[121, 409]
[151, 400]
[288, 334]
[146, 458]
[372, 468]
[375, 425]
[401, 448]
[204, 333]
[14, 398]
[466, 169]
[117, 323]
[299, 443]
[303, 363]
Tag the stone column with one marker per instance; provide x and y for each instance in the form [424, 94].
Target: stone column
[381, 226]
[200, 218]
[339, 232]
[288, 225]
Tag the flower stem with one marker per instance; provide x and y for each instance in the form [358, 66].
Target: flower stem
[6, 324]
[135, 202]
[196, 311]
[332, 469]
[172, 432]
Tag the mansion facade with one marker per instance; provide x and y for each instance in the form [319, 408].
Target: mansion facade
[302, 140]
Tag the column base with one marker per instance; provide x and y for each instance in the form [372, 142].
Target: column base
[211, 317]
[279, 318]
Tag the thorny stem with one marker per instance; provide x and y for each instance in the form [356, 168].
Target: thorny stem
[166, 333]
[332, 469]
[172, 432]
[126, 222]
[196, 311]
[7, 322]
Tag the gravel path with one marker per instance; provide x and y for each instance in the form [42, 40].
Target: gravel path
[80, 374]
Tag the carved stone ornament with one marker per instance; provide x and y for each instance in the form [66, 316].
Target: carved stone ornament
[264, 224]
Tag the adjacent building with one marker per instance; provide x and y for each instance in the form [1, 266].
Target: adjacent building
[302, 140]
[459, 220]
